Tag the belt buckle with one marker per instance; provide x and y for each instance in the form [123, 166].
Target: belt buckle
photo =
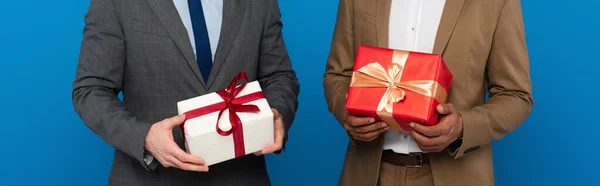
[420, 159]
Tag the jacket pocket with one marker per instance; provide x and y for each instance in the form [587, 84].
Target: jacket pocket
[156, 29]
[365, 17]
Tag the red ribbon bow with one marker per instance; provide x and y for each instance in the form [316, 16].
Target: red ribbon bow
[234, 105]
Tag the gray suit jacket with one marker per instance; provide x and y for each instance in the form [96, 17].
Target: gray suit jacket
[142, 49]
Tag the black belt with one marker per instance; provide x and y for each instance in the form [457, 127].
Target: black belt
[413, 160]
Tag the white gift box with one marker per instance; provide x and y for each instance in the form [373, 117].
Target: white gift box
[202, 139]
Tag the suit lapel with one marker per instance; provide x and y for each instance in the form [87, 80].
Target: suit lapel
[383, 21]
[169, 17]
[450, 16]
[233, 12]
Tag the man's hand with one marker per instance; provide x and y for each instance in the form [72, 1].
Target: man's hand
[437, 138]
[160, 143]
[279, 133]
[364, 128]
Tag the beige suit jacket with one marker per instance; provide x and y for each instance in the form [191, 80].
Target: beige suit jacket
[483, 44]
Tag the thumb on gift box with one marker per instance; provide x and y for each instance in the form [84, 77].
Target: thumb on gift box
[445, 109]
[176, 121]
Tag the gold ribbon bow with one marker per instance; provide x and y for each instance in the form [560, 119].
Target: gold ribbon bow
[374, 75]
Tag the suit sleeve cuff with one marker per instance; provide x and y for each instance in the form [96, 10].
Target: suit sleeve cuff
[470, 141]
[139, 142]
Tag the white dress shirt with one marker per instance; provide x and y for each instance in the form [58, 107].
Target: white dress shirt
[413, 27]
[213, 16]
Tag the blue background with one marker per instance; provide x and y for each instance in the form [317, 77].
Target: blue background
[44, 142]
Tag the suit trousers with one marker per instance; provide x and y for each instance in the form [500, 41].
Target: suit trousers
[393, 175]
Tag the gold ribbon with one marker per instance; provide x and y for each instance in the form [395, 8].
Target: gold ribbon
[374, 75]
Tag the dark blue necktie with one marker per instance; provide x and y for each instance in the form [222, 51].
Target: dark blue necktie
[203, 51]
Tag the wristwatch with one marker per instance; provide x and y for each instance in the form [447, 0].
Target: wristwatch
[453, 147]
[148, 158]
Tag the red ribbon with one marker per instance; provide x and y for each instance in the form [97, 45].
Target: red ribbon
[234, 105]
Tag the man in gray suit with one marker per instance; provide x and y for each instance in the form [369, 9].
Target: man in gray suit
[159, 52]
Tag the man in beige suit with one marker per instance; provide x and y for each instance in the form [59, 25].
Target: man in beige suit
[483, 44]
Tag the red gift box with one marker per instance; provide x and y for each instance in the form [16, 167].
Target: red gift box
[398, 87]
